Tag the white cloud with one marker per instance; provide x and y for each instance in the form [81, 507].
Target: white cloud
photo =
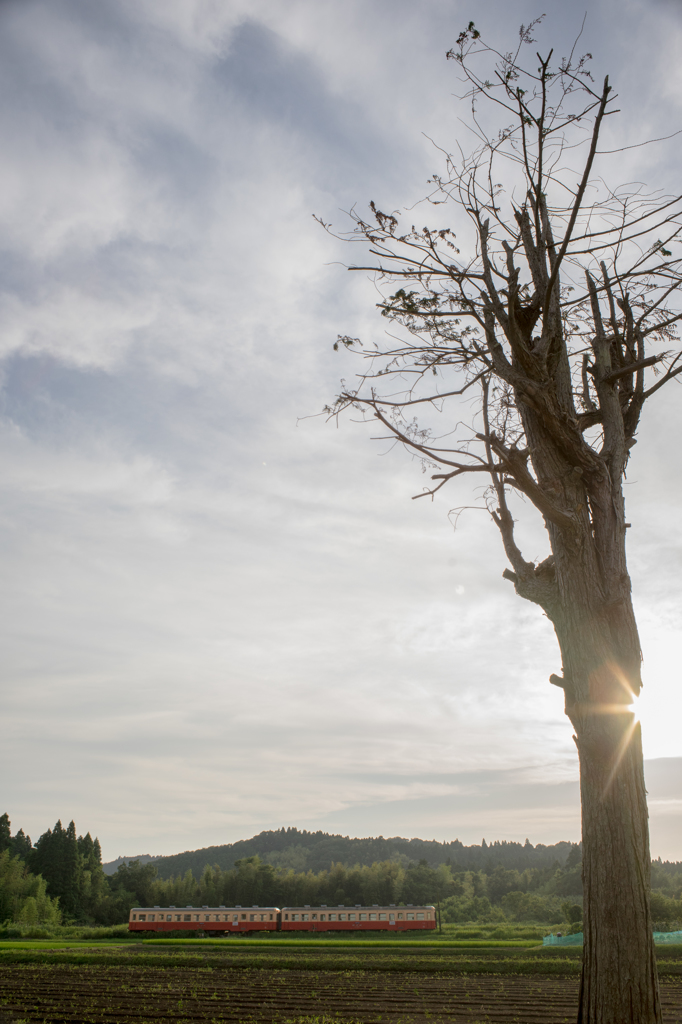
[218, 619]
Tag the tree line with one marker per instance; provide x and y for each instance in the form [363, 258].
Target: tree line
[60, 879]
[304, 851]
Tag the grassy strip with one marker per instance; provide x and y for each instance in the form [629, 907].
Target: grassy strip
[450, 932]
[354, 943]
[565, 966]
[484, 961]
[228, 944]
[459, 960]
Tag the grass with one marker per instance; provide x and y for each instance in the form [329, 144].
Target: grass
[431, 961]
[13, 932]
[527, 934]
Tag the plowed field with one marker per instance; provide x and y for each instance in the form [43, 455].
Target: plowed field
[97, 994]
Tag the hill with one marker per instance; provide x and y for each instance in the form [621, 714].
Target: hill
[317, 851]
[112, 865]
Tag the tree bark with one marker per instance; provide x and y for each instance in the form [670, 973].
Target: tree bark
[597, 633]
[591, 609]
[619, 981]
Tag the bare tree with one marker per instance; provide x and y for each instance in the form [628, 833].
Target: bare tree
[558, 313]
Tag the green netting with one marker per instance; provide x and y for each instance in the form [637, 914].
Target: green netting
[660, 938]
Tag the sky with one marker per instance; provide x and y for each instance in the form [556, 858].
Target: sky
[222, 613]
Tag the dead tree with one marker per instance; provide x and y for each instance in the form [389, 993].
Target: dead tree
[557, 308]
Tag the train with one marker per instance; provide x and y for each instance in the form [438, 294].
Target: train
[243, 920]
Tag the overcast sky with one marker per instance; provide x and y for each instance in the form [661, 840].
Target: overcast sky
[219, 615]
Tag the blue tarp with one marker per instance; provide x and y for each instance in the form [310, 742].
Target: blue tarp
[660, 938]
[563, 940]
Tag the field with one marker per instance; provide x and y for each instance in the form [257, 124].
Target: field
[117, 984]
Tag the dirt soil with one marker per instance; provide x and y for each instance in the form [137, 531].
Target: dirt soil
[78, 994]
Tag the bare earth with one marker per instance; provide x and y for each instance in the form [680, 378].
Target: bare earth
[117, 995]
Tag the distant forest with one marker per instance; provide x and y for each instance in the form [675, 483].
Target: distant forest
[61, 878]
[290, 848]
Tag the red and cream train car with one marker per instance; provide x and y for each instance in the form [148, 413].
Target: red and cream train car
[240, 920]
[344, 919]
[205, 919]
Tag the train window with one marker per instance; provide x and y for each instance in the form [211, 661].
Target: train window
[332, 917]
[134, 917]
[363, 917]
[152, 917]
[294, 917]
[400, 917]
[263, 917]
[342, 917]
[178, 917]
[252, 917]
[207, 917]
[323, 917]
[142, 917]
[382, 917]
[410, 917]
[271, 917]
[420, 917]
[243, 917]
[351, 917]
[372, 917]
[391, 917]
[286, 917]
[305, 917]
[196, 917]
[187, 917]
[169, 917]
[314, 917]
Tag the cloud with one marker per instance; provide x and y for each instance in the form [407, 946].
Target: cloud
[219, 615]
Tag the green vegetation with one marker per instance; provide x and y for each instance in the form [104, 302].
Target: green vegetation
[305, 851]
[57, 889]
[430, 960]
[23, 896]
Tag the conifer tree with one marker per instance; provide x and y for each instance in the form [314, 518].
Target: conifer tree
[21, 845]
[5, 832]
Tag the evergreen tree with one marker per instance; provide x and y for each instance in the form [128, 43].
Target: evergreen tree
[21, 845]
[5, 833]
[57, 859]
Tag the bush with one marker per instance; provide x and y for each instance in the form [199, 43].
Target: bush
[23, 896]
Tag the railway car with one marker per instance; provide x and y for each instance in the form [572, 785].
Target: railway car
[224, 920]
[241, 920]
[345, 919]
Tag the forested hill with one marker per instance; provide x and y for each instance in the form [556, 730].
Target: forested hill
[316, 851]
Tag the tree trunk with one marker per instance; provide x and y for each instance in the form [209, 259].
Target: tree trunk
[619, 981]
[592, 613]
